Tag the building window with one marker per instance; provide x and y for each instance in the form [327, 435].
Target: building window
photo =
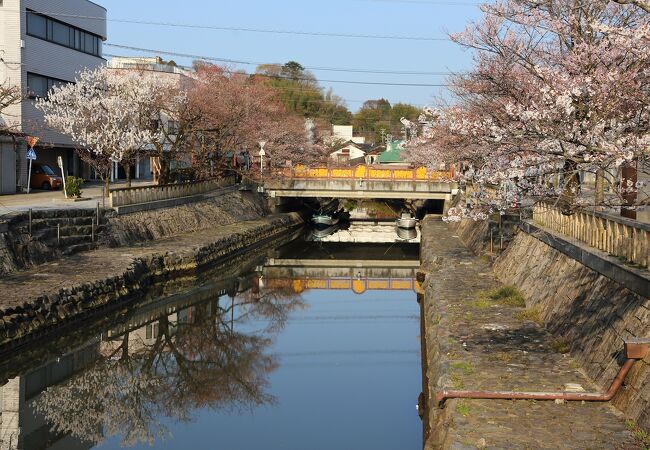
[39, 85]
[52, 30]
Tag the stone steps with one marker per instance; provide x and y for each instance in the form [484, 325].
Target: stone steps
[76, 230]
[63, 221]
[62, 213]
[68, 231]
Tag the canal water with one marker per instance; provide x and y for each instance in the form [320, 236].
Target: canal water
[313, 345]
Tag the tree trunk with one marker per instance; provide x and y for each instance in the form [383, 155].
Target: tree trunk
[107, 186]
[127, 171]
[164, 171]
[570, 188]
[629, 173]
[600, 189]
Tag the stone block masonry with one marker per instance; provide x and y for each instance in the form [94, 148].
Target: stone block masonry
[40, 299]
[594, 313]
[470, 342]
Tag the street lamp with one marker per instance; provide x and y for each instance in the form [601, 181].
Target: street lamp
[262, 153]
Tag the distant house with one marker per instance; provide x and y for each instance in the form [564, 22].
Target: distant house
[351, 153]
[372, 157]
[392, 154]
[351, 149]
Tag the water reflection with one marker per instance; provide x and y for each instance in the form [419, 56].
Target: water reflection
[143, 372]
[210, 346]
[193, 358]
[367, 231]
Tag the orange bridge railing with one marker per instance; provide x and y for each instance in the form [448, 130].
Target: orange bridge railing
[366, 172]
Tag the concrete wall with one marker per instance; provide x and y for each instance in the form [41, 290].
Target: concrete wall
[591, 311]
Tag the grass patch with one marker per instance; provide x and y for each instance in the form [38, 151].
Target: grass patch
[463, 409]
[639, 434]
[507, 295]
[560, 345]
[532, 314]
[465, 367]
[456, 381]
[501, 356]
[481, 303]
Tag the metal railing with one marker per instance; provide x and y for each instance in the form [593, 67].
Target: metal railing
[147, 194]
[618, 236]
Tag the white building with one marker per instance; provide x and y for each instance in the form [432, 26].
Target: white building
[345, 133]
[148, 167]
[44, 43]
[351, 153]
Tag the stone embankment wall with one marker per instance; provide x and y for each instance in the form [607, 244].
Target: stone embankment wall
[220, 210]
[473, 341]
[593, 313]
[38, 315]
[19, 250]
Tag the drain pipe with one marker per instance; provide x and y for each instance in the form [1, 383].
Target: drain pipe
[635, 349]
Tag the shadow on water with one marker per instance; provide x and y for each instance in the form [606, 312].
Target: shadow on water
[203, 342]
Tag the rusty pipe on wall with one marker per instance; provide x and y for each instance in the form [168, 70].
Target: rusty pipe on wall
[635, 349]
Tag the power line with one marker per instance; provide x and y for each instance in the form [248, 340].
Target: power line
[257, 63]
[209, 58]
[250, 29]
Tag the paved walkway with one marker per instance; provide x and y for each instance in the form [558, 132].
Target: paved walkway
[92, 193]
[479, 344]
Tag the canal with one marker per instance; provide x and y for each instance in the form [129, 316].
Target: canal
[314, 344]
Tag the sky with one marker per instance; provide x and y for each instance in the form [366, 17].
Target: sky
[406, 18]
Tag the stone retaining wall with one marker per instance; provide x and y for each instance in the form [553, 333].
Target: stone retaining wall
[470, 342]
[39, 315]
[18, 250]
[127, 229]
[592, 312]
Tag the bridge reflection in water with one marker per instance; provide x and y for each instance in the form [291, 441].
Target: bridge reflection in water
[387, 262]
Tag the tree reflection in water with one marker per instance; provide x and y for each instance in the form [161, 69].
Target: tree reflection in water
[197, 359]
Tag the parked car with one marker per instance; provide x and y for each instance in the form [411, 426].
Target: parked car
[43, 177]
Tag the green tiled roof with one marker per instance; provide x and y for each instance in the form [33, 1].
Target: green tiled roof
[393, 152]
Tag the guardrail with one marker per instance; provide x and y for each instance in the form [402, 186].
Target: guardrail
[365, 172]
[618, 236]
[147, 194]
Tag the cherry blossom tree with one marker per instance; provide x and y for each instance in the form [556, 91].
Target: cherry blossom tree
[9, 96]
[559, 89]
[237, 111]
[97, 115]
[10, 123]
[163, 111]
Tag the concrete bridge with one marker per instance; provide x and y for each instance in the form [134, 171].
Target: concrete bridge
[361, 182]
